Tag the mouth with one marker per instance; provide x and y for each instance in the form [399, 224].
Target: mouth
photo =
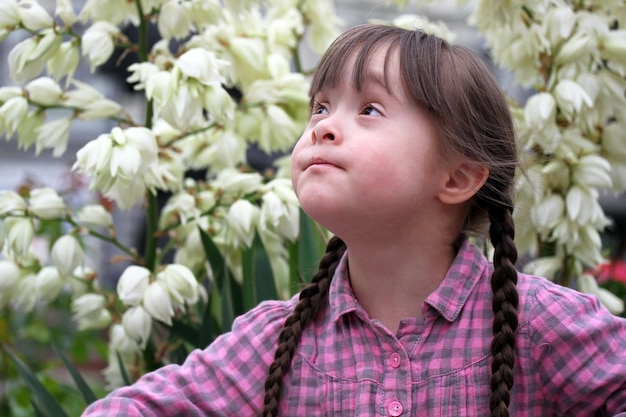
[321, 163]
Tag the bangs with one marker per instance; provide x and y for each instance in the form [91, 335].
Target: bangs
[419, 57]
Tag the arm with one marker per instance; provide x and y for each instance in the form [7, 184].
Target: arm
[225, 379]
[580, 348]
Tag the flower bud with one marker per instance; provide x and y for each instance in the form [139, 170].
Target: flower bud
[540, 109]
[90, 312]
[180, 283]
[98, 44]
[44, 91]
[67, 254]
[45, 203]
[157, 302]
[24, 295]
[133, 284]
[13, 112]
[34, 16]
[20, 233]
[11, 203]
[120, 341]
[9, 275]
[9, 14]
[137, 324]
[55, 135]
[571, 97]
[94, 215]
[48, 283]
[175, 19]
[64, 62]
[65, 11]
[242, 218]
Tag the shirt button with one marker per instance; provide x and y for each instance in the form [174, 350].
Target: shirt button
[395, 408]
[394, 359]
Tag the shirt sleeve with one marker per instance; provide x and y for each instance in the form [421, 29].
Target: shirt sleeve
[580, 349]
[225, 379]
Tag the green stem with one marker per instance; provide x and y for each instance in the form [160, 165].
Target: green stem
[151, 238]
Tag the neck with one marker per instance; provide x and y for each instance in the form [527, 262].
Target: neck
[391, 282]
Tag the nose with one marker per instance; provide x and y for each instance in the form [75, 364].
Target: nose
[325, 130]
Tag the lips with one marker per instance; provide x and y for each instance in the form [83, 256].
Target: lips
[320, 162]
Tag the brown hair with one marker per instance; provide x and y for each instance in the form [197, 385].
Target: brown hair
[475, 125]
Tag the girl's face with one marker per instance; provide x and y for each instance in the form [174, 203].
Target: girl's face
[368, 158]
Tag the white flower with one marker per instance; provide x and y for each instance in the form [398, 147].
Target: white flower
[592, 171]
[19, 234]
[546, 266]
[48, 283]
[234, 182]
[12, 113]
[575, 48]
[180, 208]
[614, 140]
[589, 285]
[202, 65]
[120, 341]
[11, 202]
[28, 58]
[540, 109]
[34, 16]
[141, 72]
[100, 109]
[44, 91]
[24, 295]
[65, 11]
[137, 325]
[54, 134]
[45, 203]
[157, 302]
[90, 312]
[9, 13]
[547, 212]
[175, 19]
[571, 97]
[613, 45]
[559, 23]
[133, 284]
[98, 42]
[94, 215]
[9, 275]
[242, 218]
[180, 283]
[67, 254]
[281, 217]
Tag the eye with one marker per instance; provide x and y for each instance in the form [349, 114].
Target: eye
[370, 110]
[319, 108]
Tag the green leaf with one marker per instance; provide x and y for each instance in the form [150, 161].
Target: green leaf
[265, 282]
[44, 400]
[82, 386]
[184, 331]
[221, 283]
[123, 371]
[312, 245]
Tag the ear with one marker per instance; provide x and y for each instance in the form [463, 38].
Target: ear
[463, 183]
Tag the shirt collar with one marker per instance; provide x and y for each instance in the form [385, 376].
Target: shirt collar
[448, 299]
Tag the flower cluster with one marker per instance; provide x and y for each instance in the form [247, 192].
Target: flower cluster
[223, 76]
[570, 128]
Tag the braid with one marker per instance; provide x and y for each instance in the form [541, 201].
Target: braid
[505, 302]
[311, 299]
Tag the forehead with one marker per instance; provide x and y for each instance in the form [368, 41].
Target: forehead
[362, 68]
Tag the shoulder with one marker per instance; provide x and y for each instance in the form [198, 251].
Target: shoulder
[553, 311]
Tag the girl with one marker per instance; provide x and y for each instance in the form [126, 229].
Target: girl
[410, 148]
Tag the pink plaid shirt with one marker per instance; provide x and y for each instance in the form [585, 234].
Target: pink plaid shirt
[570, 358]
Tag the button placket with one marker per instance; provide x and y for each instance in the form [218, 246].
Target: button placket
[394, 408]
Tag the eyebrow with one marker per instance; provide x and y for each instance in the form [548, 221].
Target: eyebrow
[377, 78]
